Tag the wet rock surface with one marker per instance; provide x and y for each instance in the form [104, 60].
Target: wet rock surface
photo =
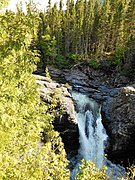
[92, 85]
[118, 106]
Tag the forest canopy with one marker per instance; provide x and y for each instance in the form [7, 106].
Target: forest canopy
[90, 31]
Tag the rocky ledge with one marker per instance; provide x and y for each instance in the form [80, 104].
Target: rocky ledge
[117, 98]
[119, 121]
[64, 122]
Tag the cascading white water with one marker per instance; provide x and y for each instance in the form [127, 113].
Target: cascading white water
[91, 130]
[92, 135]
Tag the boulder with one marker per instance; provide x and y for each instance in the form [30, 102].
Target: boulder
[119, 120]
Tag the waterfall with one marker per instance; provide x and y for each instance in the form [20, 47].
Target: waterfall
[91, 131]
[92, 136]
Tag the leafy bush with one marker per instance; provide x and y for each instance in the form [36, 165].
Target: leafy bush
[119, 56]
[94, 63]
[131, 173]
[60, 61]
[89, 171]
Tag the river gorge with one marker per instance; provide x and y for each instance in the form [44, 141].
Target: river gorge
[102, 123]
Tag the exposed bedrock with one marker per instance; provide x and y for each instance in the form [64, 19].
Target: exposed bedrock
[64, 122]
[116, 95]
[119, 120]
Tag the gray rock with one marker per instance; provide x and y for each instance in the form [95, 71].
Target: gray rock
[119, 120]
[104, 89]
[85, 90]
[114, 92]
[99, 97]
[64, 123]
[118, 107]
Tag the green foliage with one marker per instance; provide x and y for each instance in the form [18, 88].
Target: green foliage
[22, 115]
[89, 171]
[72, 57]
[119, 56]
[66, 61]
[87, 29]
[67, 85]
[60, 61]
[47, 73]
[3, 3]
[131, 173]
[47, 48]
[94, 63]
[128, 66]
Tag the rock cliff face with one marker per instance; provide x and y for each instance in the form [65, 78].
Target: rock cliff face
[119, 120]
[64, 123]
[118, 109]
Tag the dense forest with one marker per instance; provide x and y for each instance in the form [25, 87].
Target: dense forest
[22, 116]
[88, 31]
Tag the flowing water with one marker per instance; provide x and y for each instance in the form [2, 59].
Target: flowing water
[92, 136]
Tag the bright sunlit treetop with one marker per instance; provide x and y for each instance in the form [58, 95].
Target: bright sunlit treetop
[41, 4]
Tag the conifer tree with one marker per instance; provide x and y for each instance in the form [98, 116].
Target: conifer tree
[66, 24]
[79, 25]
[22, 115]
[60, 29]
[91, 29]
